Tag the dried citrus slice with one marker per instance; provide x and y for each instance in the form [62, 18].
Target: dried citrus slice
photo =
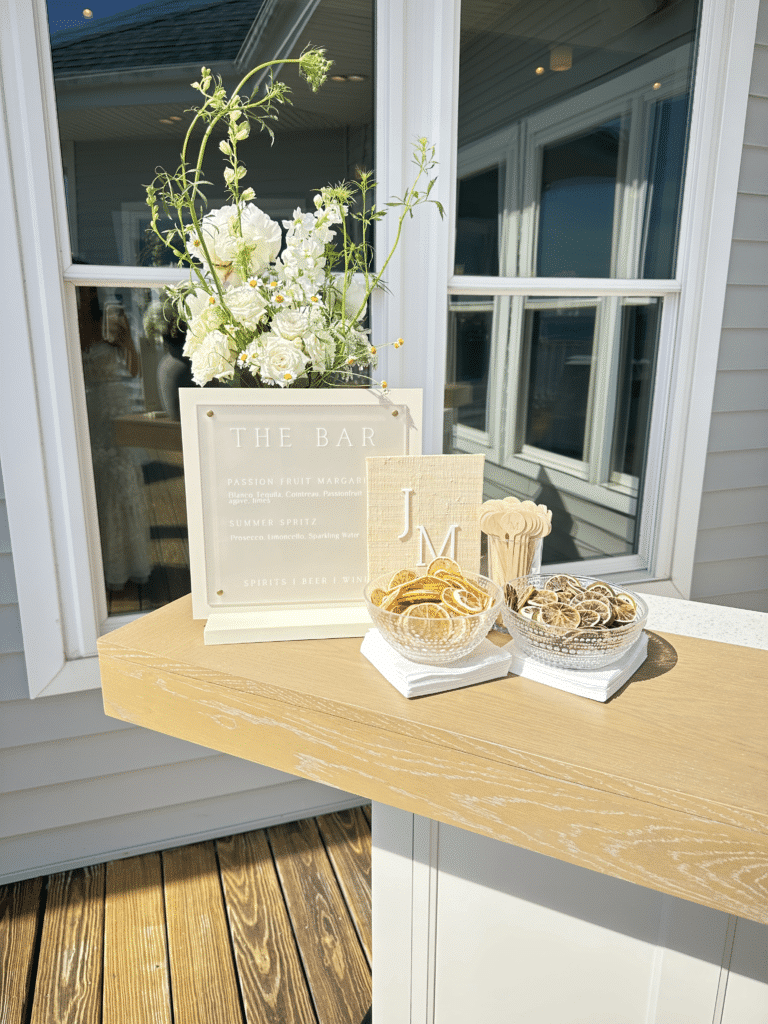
[465, 601]
[559, 582]
[426, 610]
[602, 589]
[544, 597]
[377, 596]
[402, 576]
[588, 618]
[524, 597]
[558, 615]
[445, 563]
[624, 612]
[595, 604]
[510, 596]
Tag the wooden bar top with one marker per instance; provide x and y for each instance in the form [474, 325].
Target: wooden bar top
[665, 785]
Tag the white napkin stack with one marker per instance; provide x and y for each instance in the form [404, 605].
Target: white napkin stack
[486, 662]
[595, 683]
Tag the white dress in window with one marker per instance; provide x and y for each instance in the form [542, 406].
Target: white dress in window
[111, 391]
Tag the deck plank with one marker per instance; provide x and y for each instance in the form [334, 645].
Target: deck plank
[338, 975]
[202, 971]
[347, 838]
[272, 982]
[136, 981]
[68, 987]
[19, 914]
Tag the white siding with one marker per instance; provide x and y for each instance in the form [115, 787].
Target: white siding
[78, 788]
[731, 561]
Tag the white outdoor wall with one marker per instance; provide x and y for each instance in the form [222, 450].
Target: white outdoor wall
[731, 560]
[79, 788]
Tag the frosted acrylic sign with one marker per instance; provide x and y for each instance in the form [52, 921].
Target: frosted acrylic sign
[276, 504]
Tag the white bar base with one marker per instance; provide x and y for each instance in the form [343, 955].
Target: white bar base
[306, 622]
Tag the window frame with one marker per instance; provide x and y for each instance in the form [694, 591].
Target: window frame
[43, 429]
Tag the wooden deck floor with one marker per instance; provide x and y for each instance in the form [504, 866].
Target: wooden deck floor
[270, 926]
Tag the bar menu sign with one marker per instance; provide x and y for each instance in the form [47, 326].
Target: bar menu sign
[277, 501]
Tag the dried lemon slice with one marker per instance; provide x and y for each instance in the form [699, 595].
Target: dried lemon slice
[377, 596]
[544, 597]
[445, 563]
[401, 576]
[624, 612]
[558, 615]
[602, 589]
[464, 601]
[588, 618]
[595, 604]
[426, 610]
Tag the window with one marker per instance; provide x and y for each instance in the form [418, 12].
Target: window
[583, 180]
[46, 457]
[113, 133]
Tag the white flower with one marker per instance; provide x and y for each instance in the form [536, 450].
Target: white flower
[228, 231]
[320, 352]
[291, 324]
[280, 361]
[217, 233]
[213, 356]
[247, 305]
[264, 234]
[355, 294]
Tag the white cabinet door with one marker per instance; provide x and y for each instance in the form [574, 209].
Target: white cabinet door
[471, 929]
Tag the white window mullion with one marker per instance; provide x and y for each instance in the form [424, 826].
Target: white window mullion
[605, 366]
[417, 53]
[49, 416]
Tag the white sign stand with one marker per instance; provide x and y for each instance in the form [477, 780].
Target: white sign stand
[276, 505]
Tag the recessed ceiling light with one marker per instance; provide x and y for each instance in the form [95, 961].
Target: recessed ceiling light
[657, 85]
[165, 120]
[356, 78]
[561, 58]
[175, 117]
[338, 78]
[87, 13]
[539, 70]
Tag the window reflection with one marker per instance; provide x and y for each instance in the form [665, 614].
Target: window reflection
[577, 204]
[477, 223]
[123, 96]
[572, 136]
[560, 343]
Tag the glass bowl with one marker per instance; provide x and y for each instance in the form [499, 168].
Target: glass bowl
[435, 641]
[565, 646]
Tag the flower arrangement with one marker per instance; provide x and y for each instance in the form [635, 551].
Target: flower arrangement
[257, 313]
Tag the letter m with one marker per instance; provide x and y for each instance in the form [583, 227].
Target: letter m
[450, 537]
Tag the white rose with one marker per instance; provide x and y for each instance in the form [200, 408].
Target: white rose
[354, 296]
[281, 361]
[247, 305]
[214, 356]
[320, 352]
[264, 234]
[217, 230]
[291, 324]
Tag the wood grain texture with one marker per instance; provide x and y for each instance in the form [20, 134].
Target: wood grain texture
[337, 973]
[272, 982]
[136, 981]
[20, 908]
[666, 785]
[68, 989]
[347, 839]
[202, 972]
